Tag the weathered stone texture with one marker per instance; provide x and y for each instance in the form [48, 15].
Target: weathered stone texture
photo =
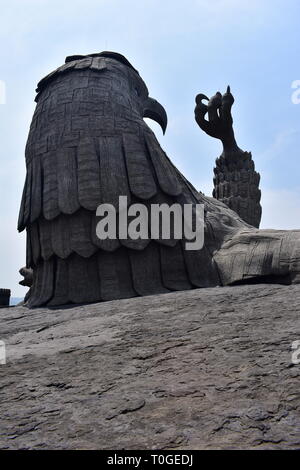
[201, 369]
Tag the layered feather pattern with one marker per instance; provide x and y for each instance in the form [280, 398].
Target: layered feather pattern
[88, 145]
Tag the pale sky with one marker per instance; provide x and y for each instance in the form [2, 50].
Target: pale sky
[180, 48]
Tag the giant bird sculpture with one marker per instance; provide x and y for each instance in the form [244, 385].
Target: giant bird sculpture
[88, 144]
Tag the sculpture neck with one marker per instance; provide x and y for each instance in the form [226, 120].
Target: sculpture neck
[231, 151]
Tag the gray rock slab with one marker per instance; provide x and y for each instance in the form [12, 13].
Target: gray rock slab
[201, 369]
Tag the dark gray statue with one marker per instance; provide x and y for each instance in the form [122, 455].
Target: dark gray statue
[236, 181]
[4, 297]
[88, 144]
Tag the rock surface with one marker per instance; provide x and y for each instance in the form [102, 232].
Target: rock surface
[200, 369]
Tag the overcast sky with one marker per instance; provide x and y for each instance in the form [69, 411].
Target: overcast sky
[180, 48]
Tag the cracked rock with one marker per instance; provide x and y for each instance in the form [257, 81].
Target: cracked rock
[199, 369]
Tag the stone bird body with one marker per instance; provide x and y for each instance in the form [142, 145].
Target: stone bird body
[88, 144]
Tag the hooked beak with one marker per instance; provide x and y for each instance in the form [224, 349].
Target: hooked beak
[154, 110]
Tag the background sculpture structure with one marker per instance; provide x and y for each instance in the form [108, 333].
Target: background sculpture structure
[4, 297]
[236, 183]
[88, 144]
